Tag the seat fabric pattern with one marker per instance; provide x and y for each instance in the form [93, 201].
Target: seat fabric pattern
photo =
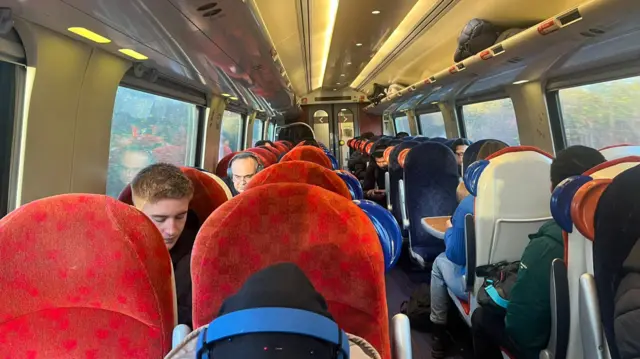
[84, 276]
[309, 154]
[266, 156]
[395, 175]
[330, 238]
[301, 172]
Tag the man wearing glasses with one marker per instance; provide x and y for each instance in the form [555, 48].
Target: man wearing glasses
[242, 168]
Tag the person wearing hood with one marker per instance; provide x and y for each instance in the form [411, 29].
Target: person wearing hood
[162, 192]
[526, 329]
[285, 289]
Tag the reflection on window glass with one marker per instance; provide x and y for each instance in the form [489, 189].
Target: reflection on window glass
[432, 125]
[602, 114]
[146, 129]
[257, 131]
[402, 124]
[387, 127]
[231, 133]
[491, 119]
[270, 131]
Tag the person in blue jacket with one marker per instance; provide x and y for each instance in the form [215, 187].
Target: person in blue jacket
[449, 267]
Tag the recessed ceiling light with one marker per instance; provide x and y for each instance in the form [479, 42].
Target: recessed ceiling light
[334, 90]
[342, 75]
[135, 54]
[359, 44]
[434, 103]
[226, 95]
[90, 35]
[349, 63]
[375, 12]
[521, 82]
[337, 83]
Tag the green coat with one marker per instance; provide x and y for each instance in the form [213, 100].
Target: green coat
[528, 320]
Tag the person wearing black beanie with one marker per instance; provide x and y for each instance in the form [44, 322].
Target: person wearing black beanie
[281, 286]
[526, 329]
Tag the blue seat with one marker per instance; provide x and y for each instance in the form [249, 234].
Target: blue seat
[395, 175]
[430, 181]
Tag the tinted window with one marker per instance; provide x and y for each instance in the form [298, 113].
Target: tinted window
[146, 129]
[257, 131]
[231, 133]
[491, 119]
[402, 124]
[432, 125]
[602, 114]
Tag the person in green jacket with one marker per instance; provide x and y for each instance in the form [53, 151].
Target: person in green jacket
[525, 330]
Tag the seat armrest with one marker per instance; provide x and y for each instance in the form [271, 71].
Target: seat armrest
[401, 337]
[387, 188]
[470, 251]
[594, 344]
[403, 205]
[180, 332]
[560, 312]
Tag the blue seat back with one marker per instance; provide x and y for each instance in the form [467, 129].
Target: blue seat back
[430, 182]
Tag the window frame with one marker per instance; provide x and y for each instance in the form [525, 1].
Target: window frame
[556, 120]
[14, 141]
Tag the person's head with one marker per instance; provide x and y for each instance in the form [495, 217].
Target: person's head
[402, 135]
[309, 142]
[242, 168]
[162, 192]
[378, 156]
[132, 162]
[264, 143]
[573, 161]
[458, 147]
[367, 135]
[488, 148]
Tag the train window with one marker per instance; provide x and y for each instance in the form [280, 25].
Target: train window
[402, 124]
[145, 129]
[387, 127]
[432, 124]
[491, 119]
[9, 91]
[257, 131]
[270, 131]
[231, 133]
[602, 114]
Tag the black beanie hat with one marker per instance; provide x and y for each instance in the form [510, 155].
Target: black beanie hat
[281, 285]
[574, 161]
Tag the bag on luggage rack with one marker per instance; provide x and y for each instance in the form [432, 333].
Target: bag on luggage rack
[499, 279]
[418, 308]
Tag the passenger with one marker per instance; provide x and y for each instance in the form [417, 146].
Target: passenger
[449, 267]
[309, 142]
[358, 161]
[374, 182]
[264, 143]
[458, 147]
[525, 330]
[402, 135]
[242, 168]
[282, 285]
[162, 192]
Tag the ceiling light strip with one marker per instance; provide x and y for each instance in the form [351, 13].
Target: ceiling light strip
[304, 31]
[332, 11]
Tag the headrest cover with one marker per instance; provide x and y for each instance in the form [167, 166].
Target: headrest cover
[368, 147]
[584, 205]
[309, 154]
[402, 156]
[223, 165]
[301, 172]
[561, 199]
[334, 161]
[472, 176]
[519, 149]
[387, 153]
[388, 231]
[355, 188]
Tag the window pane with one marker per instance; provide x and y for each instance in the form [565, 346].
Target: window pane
[492, 119]
[146, 129]
[231, 133]
[270, 131]
[257, 131]
[387, 127]
[432, 125]
[602, 114]
[402, 124]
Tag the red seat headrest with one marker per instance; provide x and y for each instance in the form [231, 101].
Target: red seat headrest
[223, 165]
[288, 222]
[84, 274]
[265, 156]
[309, 154]
[301, 172]
[208, 194]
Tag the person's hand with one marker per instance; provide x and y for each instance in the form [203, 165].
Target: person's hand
[449, 224]
[371, 193]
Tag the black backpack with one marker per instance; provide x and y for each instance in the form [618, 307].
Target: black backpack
[418, 308]
[499, 279]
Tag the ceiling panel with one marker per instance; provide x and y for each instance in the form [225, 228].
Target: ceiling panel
[355, 23]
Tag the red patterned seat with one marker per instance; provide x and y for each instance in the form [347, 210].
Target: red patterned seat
[265, 155]
[301, 172]
[84, 276]
[208, 194]
[309, 154]
[273, 150]
[221, 168]
[287, 144]
[282, 147]
[326, 235]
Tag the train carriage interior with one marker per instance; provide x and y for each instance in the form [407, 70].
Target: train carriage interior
[408, 156]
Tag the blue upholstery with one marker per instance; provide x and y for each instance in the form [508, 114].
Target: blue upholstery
[395, 175]
[472, 176]
[439, 140]
[387, 229]
[431, 178]
[408, 138]
[471, 153]
[334, 161]
[354, 186]
[561, 199]
[421, 139]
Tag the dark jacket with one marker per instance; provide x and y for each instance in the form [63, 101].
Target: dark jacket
[627, 307]
[374, 177]
[229, 182]
[181, 260]
[358, 164]
[528, 320]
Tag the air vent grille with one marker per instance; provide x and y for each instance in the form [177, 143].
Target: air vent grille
[515, 60]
